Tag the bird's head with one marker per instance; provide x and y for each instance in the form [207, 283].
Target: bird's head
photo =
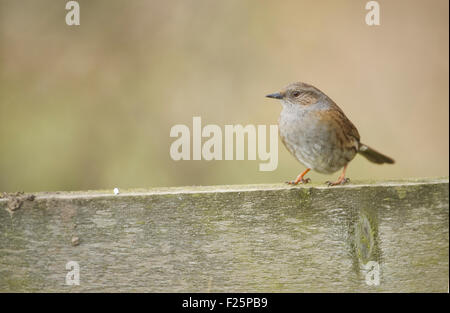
[298, 94]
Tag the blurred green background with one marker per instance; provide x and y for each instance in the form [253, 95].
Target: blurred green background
[91, 106]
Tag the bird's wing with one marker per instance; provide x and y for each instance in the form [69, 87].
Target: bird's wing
[346, 132]
[347, 126]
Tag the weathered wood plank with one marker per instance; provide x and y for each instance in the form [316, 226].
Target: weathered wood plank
[261, 238]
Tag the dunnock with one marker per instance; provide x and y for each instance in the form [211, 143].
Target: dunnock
[316, 131]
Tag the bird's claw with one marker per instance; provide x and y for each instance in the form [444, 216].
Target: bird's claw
[339, 182]
[301, 181]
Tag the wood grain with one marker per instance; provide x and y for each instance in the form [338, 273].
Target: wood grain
[257, 238]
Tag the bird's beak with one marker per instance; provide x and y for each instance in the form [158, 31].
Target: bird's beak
[276, 95]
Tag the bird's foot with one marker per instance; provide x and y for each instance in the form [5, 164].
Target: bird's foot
[299, 181]
[342, 181]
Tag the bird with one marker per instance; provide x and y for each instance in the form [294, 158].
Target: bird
[317, 133]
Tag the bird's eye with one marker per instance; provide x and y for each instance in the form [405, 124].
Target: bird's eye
[296, 94]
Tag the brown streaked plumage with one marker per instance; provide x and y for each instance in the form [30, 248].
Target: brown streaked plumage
[317, 132]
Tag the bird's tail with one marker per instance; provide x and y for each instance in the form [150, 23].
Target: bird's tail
[374, 156]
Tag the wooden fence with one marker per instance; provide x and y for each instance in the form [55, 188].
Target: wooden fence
[377, 237]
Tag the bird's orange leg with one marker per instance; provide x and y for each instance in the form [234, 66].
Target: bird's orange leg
[300, 178]
[341, 180]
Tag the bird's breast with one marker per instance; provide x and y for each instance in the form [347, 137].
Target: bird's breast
[312, 141]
